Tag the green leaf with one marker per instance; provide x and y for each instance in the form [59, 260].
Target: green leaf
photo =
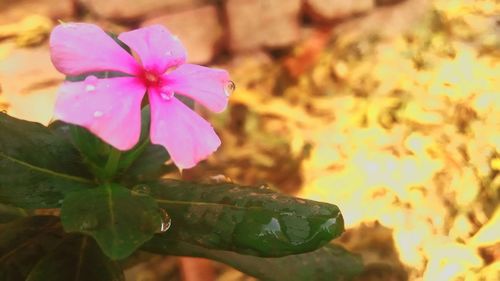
[329, 263]
[9, 213]
[150, 165]
[77, 258]
[118, 221]
[254, 221]
[23, 242]
[37, 167]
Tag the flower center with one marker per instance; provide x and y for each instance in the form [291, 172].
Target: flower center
[151, 78]
[158, 83]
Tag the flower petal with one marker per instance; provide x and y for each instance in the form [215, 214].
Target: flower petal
[157, 48]
[187, 137]
[78, 48]
[109, 108]
[203, 84]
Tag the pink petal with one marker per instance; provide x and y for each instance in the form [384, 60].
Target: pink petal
[207, 86]
[78, 48]
[109, 108]
[157, 48]
[187, 137]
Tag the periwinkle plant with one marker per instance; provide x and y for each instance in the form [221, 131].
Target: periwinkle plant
[101, 165]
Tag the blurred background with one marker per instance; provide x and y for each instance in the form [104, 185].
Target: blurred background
[388, 108]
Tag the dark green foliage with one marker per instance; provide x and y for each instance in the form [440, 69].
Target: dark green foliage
[257, 230]
[23, 242]
[118, 221]
[77, 258]
[254, 221]
[329, 263]
[37, 167]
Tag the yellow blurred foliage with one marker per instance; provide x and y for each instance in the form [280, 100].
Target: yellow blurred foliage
[408, 135]
[31, 30]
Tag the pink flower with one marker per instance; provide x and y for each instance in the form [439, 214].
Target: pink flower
[111, 107]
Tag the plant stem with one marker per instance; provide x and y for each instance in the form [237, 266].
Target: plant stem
[112, 163]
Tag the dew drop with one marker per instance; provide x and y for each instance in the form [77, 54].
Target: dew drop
[141, 189]
[98, 114]
[91, 79]
[89, 223]
[229, 88]
[90, 83]
[67, 24]
[166, 93]
[166, 221]
[168, 53]
[90, 88]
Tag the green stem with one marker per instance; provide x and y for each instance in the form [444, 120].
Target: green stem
[112, 163]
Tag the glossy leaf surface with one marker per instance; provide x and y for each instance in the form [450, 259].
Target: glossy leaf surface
[23, 242]
[117, 220]
[37, 167]
[246, 220]
[77, 258]
[329, 263]
[9, 213]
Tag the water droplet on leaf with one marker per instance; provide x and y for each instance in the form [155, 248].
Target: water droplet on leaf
[166, 221]
[141, 189]
[229, 88]
[89, 223]
[98, 114]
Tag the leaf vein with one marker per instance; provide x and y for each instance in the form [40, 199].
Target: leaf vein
[47, 171]
[80, 259]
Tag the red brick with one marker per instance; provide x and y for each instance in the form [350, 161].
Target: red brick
[135, 9]
[13, 11]
[336, 9]
[256, 23]
[198, 29]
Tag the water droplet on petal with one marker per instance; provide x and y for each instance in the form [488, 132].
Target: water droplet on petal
[90, 88]
[229, 88]
[166, 221]
[168, 53]
[90, 83]
[91, 79]
[165, 96]
[166, 93]
[141, 189]
[98, 114]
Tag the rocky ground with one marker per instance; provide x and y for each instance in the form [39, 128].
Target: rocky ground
[390, 109]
